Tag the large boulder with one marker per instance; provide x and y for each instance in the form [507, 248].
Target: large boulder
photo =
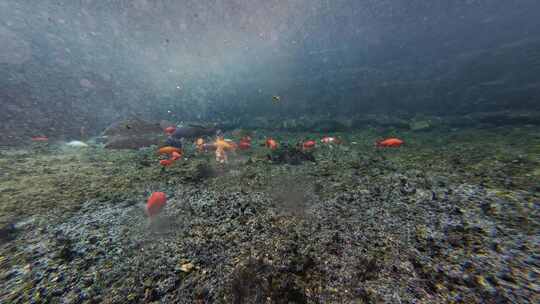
[193, 131]
[379, 121]
[133, 133]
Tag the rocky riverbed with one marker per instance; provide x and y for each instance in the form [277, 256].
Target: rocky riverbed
[449, 217]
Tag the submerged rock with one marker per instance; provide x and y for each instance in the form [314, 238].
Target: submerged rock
[420, 125]
[132, 126]
[174, 142]
[193, 132]
[7, 232]
[290, 155]
[133, 133]
[187, 267]
[65, 252]
[255, 281]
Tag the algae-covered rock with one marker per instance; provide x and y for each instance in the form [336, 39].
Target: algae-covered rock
[382, 121]
[199, 171]
[132, 126]
[420, 125]
[7, 232]
[193, 132]
[256, 281]
[290, 155]
[133, 133]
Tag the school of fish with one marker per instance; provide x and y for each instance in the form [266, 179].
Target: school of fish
[222, 146]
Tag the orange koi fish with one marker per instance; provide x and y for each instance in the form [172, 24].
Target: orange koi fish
[169, 150]
[271, 143]
[155, 203]
[390, 142]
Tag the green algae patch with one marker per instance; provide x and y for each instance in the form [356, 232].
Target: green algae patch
[360, 222]
[62, 181]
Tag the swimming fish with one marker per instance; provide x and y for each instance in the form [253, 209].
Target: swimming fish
[170, 130]
[390, 142]
[309, 144]
[166, 162]
[330, 140]
[40, 138]
[155, 203]
[271, 143]
[276, 99]
[245, 143]
[169, 150]
[224, 144]
[175, 155]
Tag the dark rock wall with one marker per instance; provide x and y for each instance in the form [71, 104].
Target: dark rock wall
[71, 64]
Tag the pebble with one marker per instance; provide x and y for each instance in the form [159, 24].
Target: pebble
[187, 267]
[57, 278]
[480, 281]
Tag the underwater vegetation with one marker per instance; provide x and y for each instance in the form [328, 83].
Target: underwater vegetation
[446, 217]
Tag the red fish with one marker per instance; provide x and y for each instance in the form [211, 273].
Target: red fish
[330, 140]
[40, 138]
[245, 143]
[390, 142]
[169, 150]
[166, 162]
[309, 144]
[175, 155]
[155, 203]
[271, 143]
[170, 130]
